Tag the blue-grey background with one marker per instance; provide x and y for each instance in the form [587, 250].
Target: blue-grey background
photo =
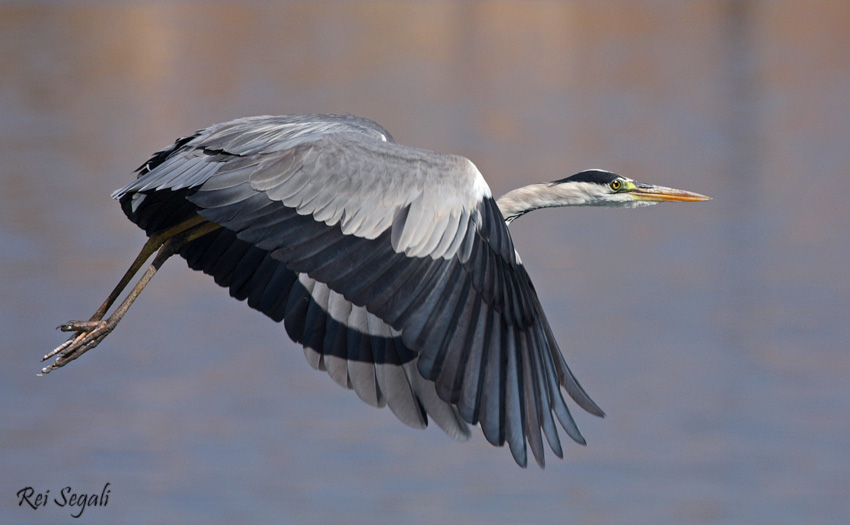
[715, 335]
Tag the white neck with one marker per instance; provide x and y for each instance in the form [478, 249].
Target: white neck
[544, 195]
[547, 195]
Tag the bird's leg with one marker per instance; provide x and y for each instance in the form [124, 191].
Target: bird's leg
[153, 243]
[90, 333]
[151, 246]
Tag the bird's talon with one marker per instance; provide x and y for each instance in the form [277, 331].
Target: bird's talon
[88, 335]
[58, 349]
[81, 326]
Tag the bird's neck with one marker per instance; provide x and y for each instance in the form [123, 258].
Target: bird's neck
[544, 195]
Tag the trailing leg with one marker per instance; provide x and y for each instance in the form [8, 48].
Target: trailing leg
[90, 333]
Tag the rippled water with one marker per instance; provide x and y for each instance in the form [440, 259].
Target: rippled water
[715, 335]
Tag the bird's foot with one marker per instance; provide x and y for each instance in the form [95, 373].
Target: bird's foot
[89, 334]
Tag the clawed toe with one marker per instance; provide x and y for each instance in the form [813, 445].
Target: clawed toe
[80, 326]
[89, 335]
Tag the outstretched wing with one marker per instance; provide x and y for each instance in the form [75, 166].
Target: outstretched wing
[334, 228]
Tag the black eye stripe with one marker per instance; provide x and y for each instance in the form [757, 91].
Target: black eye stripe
[593, 176]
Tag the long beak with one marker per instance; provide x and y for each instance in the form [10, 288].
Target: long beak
[648, 192]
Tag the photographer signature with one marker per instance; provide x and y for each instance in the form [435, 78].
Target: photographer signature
[66, 498]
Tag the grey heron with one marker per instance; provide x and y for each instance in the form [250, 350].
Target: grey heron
[391, 265]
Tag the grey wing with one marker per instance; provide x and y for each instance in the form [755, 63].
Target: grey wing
[409, 237]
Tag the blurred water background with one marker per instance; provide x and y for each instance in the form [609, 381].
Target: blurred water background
[715, 335]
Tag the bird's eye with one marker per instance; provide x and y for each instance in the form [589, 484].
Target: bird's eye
[616, 185]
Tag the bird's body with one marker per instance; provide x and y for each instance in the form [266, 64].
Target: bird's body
[392, 266]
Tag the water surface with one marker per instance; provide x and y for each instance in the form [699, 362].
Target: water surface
[714, 335]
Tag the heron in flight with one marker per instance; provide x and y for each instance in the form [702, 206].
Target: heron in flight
[391, 265]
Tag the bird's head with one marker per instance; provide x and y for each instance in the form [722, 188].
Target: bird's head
[589, 188]
[603, 188]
